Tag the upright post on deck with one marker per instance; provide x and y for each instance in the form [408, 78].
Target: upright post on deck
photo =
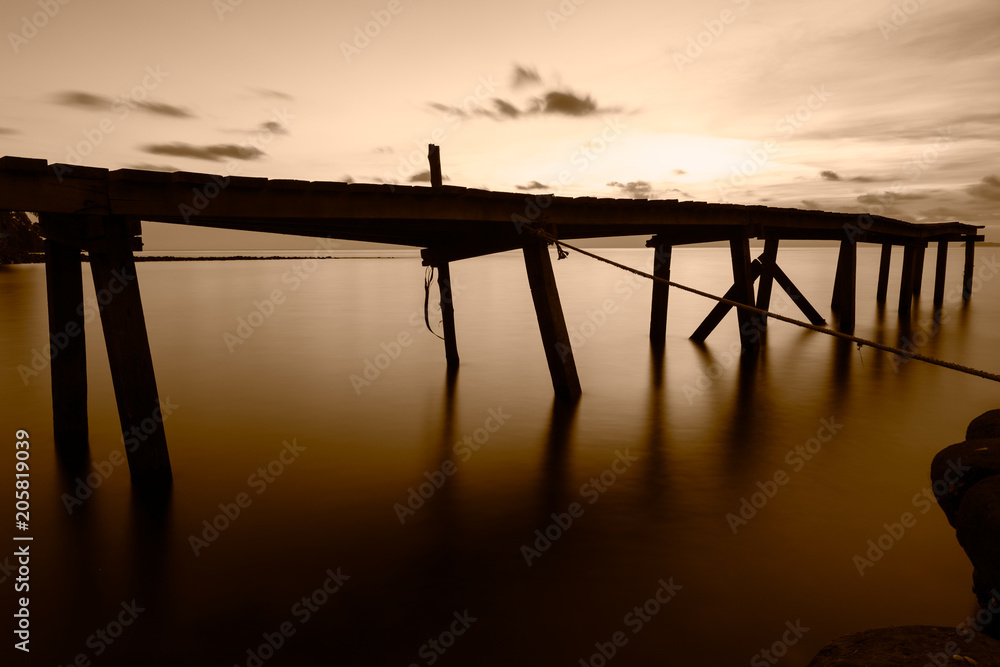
[939, 272]
[918, 267]
[883, 273]
[967, 275]
[739, 248]
[124, 325]
[551, 323]
[434, 158]
[448, 314]
[845, 287]
[766, 279]
[906, 281]
[661, 291]
[68, 365]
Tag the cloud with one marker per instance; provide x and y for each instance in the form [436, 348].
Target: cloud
[213, 153]
[988, 188]
[81, 100]
[273, 94]
[829, 175]
[634, 189]
[505, 108]
[678, 172]
[865, 179]
[810, 204]
[273, 126]
[347, 178]
[8, 131]
[888, 198]
[533, 185]
[165, 109]
[146, 166]
[570, 104]
[525, 75]
[424, 177]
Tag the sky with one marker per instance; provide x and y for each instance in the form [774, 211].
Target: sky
[876, 106]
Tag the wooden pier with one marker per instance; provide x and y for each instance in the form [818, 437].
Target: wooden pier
[99, 211]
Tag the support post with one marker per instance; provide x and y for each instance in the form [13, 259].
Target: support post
[967, 275]
[845, 287]
[939, 272]
[791, 290]
[883, 273]
[906, 282]
[68, 366]
[720, 310]
[769, 257]
[918, 268]
[434, 159]
[124, 325]
[551, 323]
[448, 314]
[661, 292]
[739, 248]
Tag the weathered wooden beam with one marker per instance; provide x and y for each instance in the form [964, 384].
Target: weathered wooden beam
[845, 287]
[67, 337]
[918, 267]
[124, 324]
[743, 280]
[906, 281]
[970, 260]
[661, 291]
[551, 322]
[434, 158]
[883, 273]
[768, 257]
[939, 272]
[716, 315]
[793, 292]
[448, 314]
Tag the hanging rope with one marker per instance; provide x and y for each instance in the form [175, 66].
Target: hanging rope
[428, 279]
[806, 325]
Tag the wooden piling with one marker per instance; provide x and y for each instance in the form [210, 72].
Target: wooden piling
[918, 267]
[883, 273]
[845, 287]
[967, 275]
[791, 290]
[739, 248]
[448, 314]
[434, 158]
[769, 257]
[68, 364]
[551, 323]
[661, 292]
[716, 315]
[124, 325]
[906, 281]
[939, 272]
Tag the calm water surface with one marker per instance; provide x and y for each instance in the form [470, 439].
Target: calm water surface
[704, 429]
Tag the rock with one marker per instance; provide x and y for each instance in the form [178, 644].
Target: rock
[957, 468]
[986, 425]
[977, 526]
[913, 645]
